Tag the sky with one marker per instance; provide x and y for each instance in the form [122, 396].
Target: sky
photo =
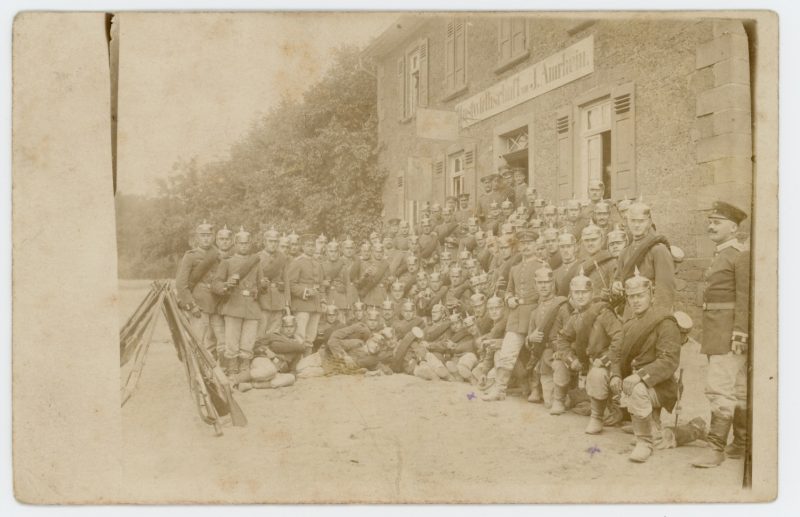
[192, 84]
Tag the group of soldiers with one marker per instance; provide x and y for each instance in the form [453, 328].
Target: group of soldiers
[573, 306]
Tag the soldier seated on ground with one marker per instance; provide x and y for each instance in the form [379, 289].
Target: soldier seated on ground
[329, 323]
[275, 356]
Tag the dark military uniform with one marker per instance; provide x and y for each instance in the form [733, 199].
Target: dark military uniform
[304, 277]
[194, 289]
[656, 264]
[241, 309]
[272, 295]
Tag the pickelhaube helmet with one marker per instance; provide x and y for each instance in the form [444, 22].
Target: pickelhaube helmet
[348, 242]
[242, 235]
[493, 205]
[580, 282]
[224, 233]
[359, 305]
[435, 277]
[331, 310]
[469, 321]
[637, 283]
[446, 255]
[387, 304]
[543, 274]
[271, 235]
[373, 313]
[397, 285]
[293, 238]
[639, 209]
[617, 235]
[494, 302]
[408, 305]
[573, 204]
[591, 231]
[624, 204]
[322, 238]
[204, 227]
[411, 260]
[470, 263]
[550, 233]
[477, 299]
[288, 320]
[596, 184]
[455, 317]
[422, 275]
[450, 242]
[365, 246]
[332, 246]
[283, 241]
[505, 205]
[377, 246]
[566, 239]
[455, 270]
[602, 207]
[535, 223]
[464, 255]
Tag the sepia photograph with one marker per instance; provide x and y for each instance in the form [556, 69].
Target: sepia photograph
[442, 257]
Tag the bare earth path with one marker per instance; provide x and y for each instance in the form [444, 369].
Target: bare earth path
[385, 439]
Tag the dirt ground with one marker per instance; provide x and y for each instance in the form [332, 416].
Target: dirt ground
[392, 439]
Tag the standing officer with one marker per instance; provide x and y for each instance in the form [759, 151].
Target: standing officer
[521, 298]
[303, 287]
[237, 280]
[726, 312]
[271, 294]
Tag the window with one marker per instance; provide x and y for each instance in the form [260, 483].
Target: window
[456, 174]
[413, 68]
[595, 145]
[600, 131]
[512, 42]
[455, 56]
[514, 145]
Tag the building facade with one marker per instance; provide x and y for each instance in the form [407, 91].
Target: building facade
[656, 108]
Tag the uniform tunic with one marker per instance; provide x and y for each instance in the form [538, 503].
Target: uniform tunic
[304, 273]
[726, 298]
[522, 285]
[657, 265]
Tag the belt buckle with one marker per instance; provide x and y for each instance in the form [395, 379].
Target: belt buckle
[705, 305]
[246, 292]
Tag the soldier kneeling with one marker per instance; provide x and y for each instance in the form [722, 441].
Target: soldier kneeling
[649, 356]
[275, 354]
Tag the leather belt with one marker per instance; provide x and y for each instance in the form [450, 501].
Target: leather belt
[248, 292]
[719, 306]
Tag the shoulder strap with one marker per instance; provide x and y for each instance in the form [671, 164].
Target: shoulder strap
[210, 259]
[636, 259]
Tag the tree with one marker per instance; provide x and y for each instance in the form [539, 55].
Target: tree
[307, 166]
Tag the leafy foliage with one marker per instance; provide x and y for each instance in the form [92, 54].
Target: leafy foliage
[307, 166]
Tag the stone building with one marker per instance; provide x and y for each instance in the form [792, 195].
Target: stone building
[658, 108]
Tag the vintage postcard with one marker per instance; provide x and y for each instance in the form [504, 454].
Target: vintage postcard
[395, 257]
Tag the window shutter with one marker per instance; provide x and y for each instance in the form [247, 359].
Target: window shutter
[449, 60]
[401, 75]
[518, 37]
[623, 142]
[460, 56]
[564, 139]
[438, 167]
[423, 72]
[504, 40]
[470, 171]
